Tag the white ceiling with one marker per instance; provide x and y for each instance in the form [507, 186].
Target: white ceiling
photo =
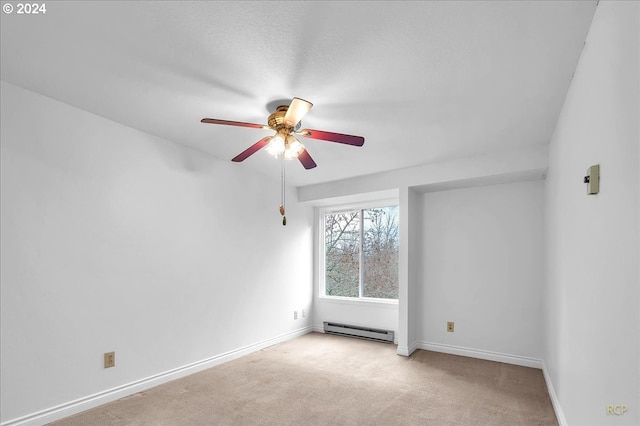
[422, 81]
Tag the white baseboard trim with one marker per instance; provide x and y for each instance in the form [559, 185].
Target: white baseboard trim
[82, 404]
[481, 354]
[562, 421]
[407, 350]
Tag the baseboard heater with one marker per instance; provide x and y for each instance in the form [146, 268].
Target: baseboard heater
[359, 332]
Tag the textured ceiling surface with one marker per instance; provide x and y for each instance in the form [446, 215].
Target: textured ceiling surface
[423, 82]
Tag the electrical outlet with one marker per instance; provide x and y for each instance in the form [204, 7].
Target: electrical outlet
[450, 326]
[295, 315]
[304, 313]
[109, 359]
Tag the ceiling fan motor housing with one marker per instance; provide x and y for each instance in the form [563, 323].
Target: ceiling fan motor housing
[276, 120]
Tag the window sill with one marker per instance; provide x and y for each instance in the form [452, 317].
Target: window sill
[382, 303]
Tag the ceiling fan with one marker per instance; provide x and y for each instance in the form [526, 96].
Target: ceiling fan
[285, 121]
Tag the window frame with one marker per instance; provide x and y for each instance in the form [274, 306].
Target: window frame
[322, 211]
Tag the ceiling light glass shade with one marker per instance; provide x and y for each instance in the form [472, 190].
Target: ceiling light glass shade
[293, 148]
[276, 146]
[290, 147]
[297, 110]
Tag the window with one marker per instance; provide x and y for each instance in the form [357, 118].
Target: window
[361, 253]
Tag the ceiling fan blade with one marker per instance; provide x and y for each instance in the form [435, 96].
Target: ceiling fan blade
[332, 137]
[233, 123]
[251, 150]
[306, 160]
[297, 110]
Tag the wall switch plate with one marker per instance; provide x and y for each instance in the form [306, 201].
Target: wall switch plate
[295, 315]
[304, 313]
[592, 179]
[109, 359]
[450, 326]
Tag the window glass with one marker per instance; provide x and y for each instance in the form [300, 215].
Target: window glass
[380, 253]
[361, 253]
[342, 254]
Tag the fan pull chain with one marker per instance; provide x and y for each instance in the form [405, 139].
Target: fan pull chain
[282, 193]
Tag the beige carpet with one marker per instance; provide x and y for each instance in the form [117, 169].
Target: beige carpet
[319, 379]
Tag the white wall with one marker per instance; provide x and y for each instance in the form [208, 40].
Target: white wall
[495, 167]
[367, 314]
[115, 240]
[591, 299]
[482, 268]
[409, 269]
[406, 185]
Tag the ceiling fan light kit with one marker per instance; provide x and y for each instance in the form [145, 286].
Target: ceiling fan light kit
[286, 122]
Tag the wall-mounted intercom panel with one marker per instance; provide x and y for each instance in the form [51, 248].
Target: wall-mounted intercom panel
[592, 179]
